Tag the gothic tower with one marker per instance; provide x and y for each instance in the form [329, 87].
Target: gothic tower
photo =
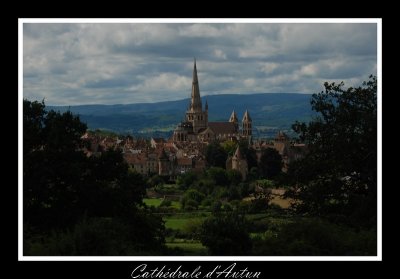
[163, 164]
[247, 125]
[239, 163]
[195, 113]
[233, 119]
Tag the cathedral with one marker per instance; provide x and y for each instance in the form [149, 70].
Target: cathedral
[197, 128]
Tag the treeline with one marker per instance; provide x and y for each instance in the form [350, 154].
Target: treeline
[75, 205]
[334, 187]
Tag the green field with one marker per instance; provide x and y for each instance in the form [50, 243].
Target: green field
[156, 203]
[190, 249]
[180, 223]
[153, 202]
[176, 205]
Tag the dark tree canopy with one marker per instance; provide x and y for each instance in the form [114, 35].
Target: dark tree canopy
[338, 176]
[226, 234]
[219, 176]
[216, 155]
[270, 163]
[66, 191]
[249, 153]
[52, 166]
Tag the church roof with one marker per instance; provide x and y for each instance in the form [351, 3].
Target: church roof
[246, 116]
[206, 130]
[281, 136]
[233, 117]
[238, 154]
[184, 161]
[135, 159]
[222, 127]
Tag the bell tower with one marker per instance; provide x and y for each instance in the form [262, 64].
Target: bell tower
[233, 119]
[247, 125]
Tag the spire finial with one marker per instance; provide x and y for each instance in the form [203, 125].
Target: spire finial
[195, 96]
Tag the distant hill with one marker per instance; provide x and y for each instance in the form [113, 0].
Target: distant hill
[270, 112]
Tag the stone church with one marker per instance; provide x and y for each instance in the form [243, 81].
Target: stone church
[197, 128]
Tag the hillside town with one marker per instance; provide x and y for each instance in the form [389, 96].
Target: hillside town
[185, 150]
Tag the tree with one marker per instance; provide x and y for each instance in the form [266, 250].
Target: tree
[155, 180]
[33, 118]
[226, 234]
[270, 163]
[316, 237]
[234, 176]
[53, 166]
[216, 155]
[186, 180]
[229, 147]
[219, 175]
[62, 186]
[249, 153]
[338, 176]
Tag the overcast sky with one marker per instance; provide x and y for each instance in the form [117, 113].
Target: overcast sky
[109, 63]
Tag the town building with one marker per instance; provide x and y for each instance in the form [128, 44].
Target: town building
[238, 162]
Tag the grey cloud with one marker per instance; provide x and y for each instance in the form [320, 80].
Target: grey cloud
[127, 63]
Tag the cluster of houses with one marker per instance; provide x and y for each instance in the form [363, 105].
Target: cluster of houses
[157, 156]
[170, 158]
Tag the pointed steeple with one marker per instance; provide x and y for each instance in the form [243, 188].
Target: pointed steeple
[246, 117]
[195, 79]
[247, 125]
[195, 96]
[233, 117]
[238, 154]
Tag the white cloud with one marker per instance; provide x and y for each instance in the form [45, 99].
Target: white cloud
[309, 70]
[269, 67]
[249, 82]
[219, 54]
[163, 82]
[199, 30]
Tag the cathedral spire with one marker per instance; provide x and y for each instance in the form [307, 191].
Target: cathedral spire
[195, 72]
[233, 117]
[247, 125]
[246, 117]
[195, 101]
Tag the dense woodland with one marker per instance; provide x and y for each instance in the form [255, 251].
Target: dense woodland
[79, 205]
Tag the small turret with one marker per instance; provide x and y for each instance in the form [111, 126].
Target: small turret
[247, 125]
[233, 119]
